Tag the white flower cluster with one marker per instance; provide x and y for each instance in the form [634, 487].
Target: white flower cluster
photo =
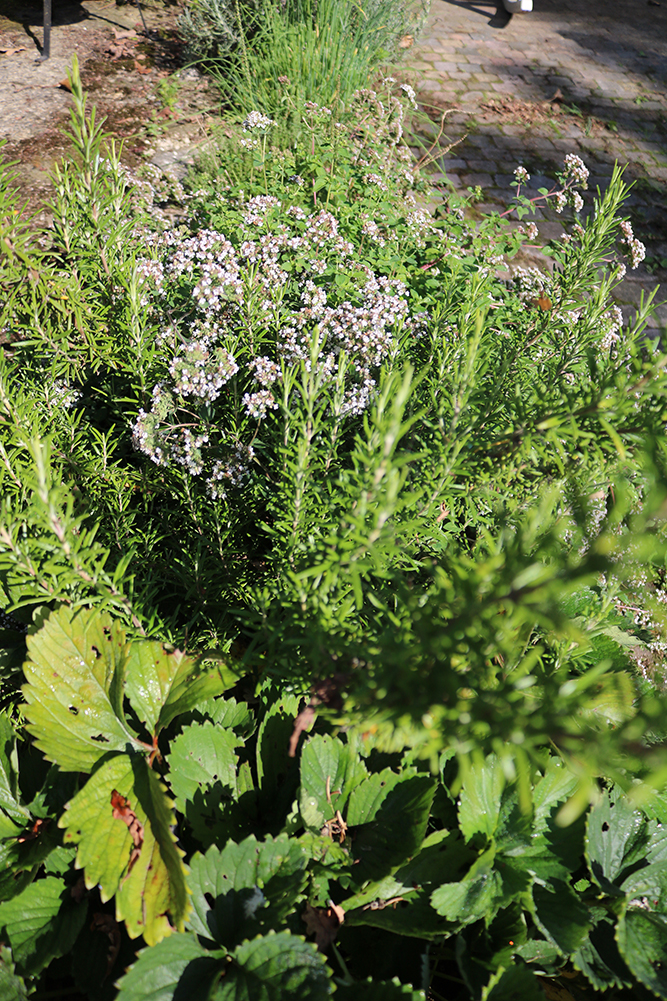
[521, 174]
[268, 284]
[530, 230]
[531, 283]
[410, 94]
[201, 369]
[612, 323]
[576, 170]
[317, 109]
[234, 471]
[375, 180]
[635, 246]
[257, 121]
[62, 394]
[257, 208]
[371, 229]
[256, 404]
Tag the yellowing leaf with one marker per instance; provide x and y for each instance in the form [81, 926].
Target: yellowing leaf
[105, 843]
[163, 683]
[121, 821]
[74, 673]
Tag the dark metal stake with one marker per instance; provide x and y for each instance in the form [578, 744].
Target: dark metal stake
[143, 20]
[46, 45]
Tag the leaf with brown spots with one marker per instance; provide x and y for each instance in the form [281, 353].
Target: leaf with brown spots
[121, 810]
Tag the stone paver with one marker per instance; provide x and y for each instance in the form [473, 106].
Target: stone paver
[581, 76]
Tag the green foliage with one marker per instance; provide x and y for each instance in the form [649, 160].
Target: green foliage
[300, 51]
[405, 516]
[486, 889]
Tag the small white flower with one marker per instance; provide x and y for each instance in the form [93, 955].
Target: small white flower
[256, 120]
[521, 174]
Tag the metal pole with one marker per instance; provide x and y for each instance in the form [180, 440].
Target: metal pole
[46, 45]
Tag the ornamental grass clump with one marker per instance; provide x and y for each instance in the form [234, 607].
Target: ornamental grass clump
[301, 50]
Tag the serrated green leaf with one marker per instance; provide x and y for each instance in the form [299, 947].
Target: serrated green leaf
[480, 800]
[246, 887]
[104, 841]
[201, 756]
[277, 773]
[42, 923]
[228, 713]
[412, 917]
[273, 741]
[14, 814]
[153, 898]
[150, 888]
[641, 937]
[373, 990]
[598, 957]
[648, 885]
[74, 692]
[442, 858]
[396, 825]
[367, 798]
[560, 916]
[516, 983]
[329, 769]
[616, 838]
[556, 785]
[161, 683]
[481, 893]
[12, 987]
[178, 962]
[543, 956]
[274, 967]
[611, 699]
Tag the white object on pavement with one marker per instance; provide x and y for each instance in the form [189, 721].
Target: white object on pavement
[518, 6]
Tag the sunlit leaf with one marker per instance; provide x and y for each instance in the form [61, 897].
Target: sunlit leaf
[245, 888]
[74, 692]
[133, 857]
[162, 683]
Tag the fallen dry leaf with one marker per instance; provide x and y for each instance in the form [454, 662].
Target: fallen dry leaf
[406, 42]
[107, 924]
[323, 923]
[335, 828]
[34, 831]
[326, 692]
[65, 84]
[11, 52]
[121, 810]
[78, 891]
[141, 69]
[303, 722]
[555, 993]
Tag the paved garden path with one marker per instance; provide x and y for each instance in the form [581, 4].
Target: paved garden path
[582, 76]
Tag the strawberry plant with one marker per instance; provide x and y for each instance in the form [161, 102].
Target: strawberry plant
[222, 848]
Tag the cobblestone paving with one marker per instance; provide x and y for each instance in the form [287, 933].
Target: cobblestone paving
[582, 76]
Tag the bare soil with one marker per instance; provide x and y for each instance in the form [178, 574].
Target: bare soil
[125, 70]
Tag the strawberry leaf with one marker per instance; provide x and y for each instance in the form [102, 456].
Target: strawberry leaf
[161, 683]
[121, 820]
[74, 673]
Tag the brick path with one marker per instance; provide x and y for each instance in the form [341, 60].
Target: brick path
[582, 76]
